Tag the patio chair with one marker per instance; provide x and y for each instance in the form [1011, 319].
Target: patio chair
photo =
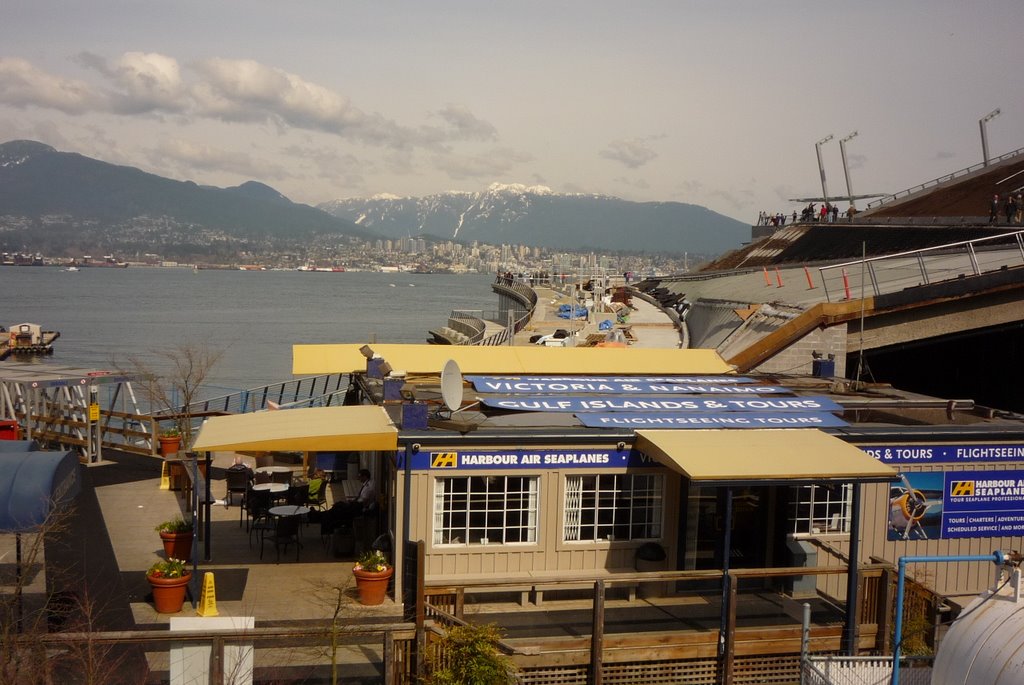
[261, 477]
[257, 511]
[281, 477]
[237, 484]
[285, 531]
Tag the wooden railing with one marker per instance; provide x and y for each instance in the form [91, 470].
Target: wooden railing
[697, 651]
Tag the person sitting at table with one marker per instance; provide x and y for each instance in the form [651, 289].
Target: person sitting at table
[240, 465]
[341, 513]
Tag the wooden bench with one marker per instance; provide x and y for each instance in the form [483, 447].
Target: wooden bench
[531, 587]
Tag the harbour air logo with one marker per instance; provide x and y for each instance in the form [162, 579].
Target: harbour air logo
[961, 488]
[444, 460]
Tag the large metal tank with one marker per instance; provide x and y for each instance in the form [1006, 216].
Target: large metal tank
[985, 646]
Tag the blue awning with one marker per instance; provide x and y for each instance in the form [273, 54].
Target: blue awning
[33, 483]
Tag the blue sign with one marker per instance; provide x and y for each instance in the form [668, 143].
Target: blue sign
[982, 504]
[944, 454]
[528, 459]
[708, 420]
[721, 385]
[956, 504]
[660, 404]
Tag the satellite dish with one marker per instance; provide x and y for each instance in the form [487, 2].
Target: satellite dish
[451, 385]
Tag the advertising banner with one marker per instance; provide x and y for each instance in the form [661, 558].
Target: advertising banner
[531, 385]
[529, 459]
[745, 419]
[632, 403]
[944, 454]
[956, 504]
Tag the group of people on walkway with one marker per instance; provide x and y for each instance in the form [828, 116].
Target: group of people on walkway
[827, 213]
[1012, 209]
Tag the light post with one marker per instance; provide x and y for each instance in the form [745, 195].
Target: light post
[846, 167]
[984, 137]
[821, 167]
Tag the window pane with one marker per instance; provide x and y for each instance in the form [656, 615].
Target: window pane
[613, 507]
[488, 509]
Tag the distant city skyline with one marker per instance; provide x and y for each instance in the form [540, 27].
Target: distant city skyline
[714, 104]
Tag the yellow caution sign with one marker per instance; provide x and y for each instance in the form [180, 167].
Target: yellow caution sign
[208, 599]
[165, 478]
[94, 412]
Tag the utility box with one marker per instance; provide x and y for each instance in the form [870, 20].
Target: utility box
[9, 430]
[823, 368]
[804, 554]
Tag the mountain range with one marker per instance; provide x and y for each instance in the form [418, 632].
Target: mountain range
[537, 216]
[66, 203]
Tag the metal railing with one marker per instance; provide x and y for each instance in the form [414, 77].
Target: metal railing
[874, 204]
[892, 273]
[255, 399]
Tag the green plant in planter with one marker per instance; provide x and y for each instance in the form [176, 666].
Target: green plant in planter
[373, 561]
[172, 568]
[170, 432]
[174, 525]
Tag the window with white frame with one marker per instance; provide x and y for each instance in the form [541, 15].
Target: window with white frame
[820, 509]
[485, 510]
[612, 506]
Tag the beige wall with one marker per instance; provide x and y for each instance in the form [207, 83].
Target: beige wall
[549, 555]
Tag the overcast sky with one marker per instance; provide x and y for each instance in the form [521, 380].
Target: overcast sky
[712, 103]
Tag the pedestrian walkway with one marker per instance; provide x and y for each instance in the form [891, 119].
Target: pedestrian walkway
[646, 326]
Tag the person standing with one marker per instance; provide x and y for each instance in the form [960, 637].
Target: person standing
[993, 210]
[1011, 208]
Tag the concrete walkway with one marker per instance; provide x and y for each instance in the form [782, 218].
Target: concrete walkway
[647, 325]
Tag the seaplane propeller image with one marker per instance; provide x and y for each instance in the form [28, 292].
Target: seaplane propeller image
[907, 506]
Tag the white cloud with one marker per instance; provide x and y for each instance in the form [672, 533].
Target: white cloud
[188, 155]
[23, 85]
[633, 153]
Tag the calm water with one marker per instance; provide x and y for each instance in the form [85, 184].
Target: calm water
[104, 315]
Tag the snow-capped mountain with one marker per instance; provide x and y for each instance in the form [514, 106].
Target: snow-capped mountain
[536, 216]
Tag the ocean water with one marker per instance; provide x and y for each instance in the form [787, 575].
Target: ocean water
[106, 315]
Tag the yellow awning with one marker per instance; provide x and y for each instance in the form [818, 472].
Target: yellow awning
[519, 360]
[761, 455]
[315, 429]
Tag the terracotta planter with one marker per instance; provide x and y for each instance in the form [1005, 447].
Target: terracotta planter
[372, 585]
[169, 445]
[169, 593]
[177, 545]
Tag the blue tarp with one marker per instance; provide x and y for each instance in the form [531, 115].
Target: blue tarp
[566, 311]
[605, 325]
[33, 483]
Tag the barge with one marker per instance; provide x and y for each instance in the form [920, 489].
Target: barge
[26, 339]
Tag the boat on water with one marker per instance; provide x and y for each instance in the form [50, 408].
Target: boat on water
[72, 268]
[26, 339]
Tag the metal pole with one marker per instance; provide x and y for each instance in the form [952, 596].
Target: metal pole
[821, 166]
[726, 552]
[984, 137]
[846, 167]
[996, 557]
[852, 574]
